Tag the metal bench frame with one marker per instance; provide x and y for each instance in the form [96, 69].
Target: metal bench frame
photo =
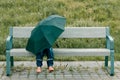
[70, 32]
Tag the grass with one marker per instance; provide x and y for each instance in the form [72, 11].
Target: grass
[77, 12]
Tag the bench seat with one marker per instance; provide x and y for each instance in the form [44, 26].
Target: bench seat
[66, 52]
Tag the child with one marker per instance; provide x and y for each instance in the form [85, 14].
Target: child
[39, 58]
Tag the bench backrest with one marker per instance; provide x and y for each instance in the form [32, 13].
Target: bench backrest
[70, 32]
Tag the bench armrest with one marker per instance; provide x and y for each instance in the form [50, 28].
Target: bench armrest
[110, 42]
[9, 42]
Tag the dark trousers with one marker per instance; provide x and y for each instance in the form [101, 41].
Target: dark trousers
[50, 57]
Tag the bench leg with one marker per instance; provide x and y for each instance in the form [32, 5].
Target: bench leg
[112, 62]
[8, 65]
[12, 61]
[106, 61]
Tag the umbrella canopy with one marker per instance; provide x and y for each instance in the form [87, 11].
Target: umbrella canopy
[45, 33]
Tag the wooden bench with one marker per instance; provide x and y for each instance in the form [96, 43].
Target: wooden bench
[70, 32]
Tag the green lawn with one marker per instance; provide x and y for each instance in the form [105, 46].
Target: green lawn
[77, 12]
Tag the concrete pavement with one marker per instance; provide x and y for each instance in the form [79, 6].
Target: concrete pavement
[72, 70]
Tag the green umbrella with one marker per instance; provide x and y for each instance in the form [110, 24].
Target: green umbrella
[45, 33]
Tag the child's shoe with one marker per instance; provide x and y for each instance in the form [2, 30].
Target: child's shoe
[38, 70]
[50, 69]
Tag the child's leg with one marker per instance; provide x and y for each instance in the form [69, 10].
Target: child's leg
[50, 56]
[39, 59]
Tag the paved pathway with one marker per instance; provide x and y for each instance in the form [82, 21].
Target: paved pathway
[82, 70]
